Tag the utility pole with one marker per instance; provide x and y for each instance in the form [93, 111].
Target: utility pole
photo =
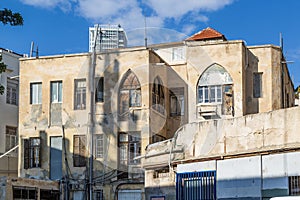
[92, 114]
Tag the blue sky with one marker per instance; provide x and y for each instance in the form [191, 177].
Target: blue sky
[61, 26]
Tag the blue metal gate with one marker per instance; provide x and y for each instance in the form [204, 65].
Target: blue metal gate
[196, 186]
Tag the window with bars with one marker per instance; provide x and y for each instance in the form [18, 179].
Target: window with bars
[99, 147]
[158, 97]
[12, 92]
[294, 185]
[80, 94]
[32, 152]
[56, 92]
[35, 93]
[10, 137]
[79, 150]
[196, 185]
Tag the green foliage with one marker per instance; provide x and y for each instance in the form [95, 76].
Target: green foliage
[13, 19]
[8, 17]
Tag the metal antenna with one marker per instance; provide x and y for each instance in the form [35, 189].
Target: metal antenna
[31, 49]
[145, 34]
[281, 41]
[34, 51]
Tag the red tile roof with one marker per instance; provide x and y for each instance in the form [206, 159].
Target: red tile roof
[207, 34]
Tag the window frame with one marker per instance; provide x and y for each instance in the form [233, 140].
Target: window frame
[12, 87]
[129, 96]
[207, 91]
[36, 93]
[80, 104]
[177, 101]
[177, 54]
[257, 85]
[99, 94]
[99, 146]
[11, 133]
[31, 149]
[59, 91]
[158, 96]
[129, 147]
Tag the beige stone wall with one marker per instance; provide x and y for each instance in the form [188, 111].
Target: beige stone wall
[36, 120]
[249, 134]
[277, 84]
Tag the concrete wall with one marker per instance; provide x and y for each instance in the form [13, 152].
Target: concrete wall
[250, 177]
[228, 139]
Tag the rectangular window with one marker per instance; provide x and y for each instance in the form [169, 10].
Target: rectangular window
[35, 93]
[210, 94]
[257, 85]
[99, 147]
[32, 153]
[294, 185]
[11, 137]
[177, 101]
[56, 92]
[134, 148]
[123, 148]
[24, 192]
[79, 151]
[129, 148]
[12, 92]
[177, 54]
[80, 94]
[134, 98]
[100, 90]
[98, 194]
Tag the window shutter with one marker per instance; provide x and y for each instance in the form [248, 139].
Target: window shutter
[40, 157]
[26, 153]
[82, 150]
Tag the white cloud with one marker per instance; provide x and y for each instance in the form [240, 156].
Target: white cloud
[99, 9]
[65, 5]
[129, 13]
[179, 8]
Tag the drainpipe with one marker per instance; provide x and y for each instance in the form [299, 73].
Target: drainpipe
[92, 114]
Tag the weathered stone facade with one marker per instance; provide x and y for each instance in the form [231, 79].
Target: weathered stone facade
[127, 99]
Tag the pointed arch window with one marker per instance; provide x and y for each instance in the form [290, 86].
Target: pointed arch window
[158, 97]
[130, 93]
[213, 83]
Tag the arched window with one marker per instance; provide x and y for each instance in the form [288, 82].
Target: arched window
[213, 84]
[129, 93]
[158, 97]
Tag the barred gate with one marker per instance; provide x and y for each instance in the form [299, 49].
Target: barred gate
[196, 186]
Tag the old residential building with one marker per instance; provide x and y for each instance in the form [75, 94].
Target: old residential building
[123, 100]
[9, 112]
